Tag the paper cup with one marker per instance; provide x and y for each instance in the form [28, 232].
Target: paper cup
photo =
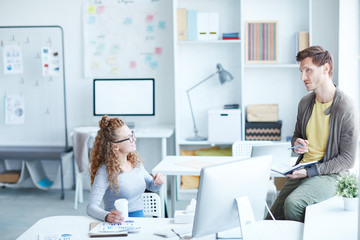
[122, 206]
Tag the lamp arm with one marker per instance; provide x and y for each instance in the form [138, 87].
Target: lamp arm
[201, 82]
[188, 96]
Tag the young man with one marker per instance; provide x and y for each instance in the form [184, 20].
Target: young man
[327, 128]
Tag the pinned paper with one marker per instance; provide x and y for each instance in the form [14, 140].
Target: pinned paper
[127, 21]
[95, 65]
[50, 62]
[13, 61]
[14, 109]
[91, 19]
[150, 28]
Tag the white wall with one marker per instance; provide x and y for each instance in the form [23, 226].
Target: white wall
[67, 14]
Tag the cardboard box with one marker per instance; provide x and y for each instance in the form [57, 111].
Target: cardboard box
[262, 113]
[266, 131]
[10, 176]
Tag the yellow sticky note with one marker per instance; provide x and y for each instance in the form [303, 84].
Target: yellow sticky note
[115, 70]
[95, 65]
[91, 9]
[111, 60]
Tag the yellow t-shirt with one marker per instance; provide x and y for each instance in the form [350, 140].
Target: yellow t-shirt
[317, 132]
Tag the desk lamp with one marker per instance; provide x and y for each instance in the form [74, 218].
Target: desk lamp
[224, 76]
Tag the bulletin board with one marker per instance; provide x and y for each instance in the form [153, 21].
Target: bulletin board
[32, 86]
[125, 37]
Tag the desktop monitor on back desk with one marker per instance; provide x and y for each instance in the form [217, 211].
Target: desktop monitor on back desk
[216, 208]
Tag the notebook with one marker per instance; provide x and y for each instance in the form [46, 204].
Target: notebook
[279, 152]
[96, 230]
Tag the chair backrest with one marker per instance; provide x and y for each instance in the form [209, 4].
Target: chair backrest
[243, 148]
[151, 205]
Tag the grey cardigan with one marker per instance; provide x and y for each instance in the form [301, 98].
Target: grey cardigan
[341, 149]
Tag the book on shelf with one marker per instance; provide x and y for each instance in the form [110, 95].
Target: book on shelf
[181, 24]
[301, 41]
[285, 169]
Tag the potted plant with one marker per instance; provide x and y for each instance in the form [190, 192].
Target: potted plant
[347, 186]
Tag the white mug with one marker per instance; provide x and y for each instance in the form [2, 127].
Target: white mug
[122, 206]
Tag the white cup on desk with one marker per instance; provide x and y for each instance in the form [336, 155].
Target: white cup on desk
[122, 206]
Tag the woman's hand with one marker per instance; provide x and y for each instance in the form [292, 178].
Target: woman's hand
[159, 179]
[304, 148]
[114, 216]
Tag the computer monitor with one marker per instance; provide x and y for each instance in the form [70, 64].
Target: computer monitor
[279, 151]
[220, 185]
[124, 97]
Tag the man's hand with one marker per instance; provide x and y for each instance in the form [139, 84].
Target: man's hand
[304, 148]
[301, 173]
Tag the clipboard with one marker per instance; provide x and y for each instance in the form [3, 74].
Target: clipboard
[105, 234]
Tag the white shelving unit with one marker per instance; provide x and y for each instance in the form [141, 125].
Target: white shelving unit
[196, 60]
[253, 83]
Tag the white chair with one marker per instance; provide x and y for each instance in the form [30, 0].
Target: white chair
[151, 205]
[265, 229]
[243, 149]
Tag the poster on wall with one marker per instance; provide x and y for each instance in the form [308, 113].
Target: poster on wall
[14, 109]
[12, 59]
[123, 37]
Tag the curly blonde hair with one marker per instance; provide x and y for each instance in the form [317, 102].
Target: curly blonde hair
[104, 152]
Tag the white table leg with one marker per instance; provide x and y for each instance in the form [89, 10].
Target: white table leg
[163, 147]
[173, 196]
[163, 197]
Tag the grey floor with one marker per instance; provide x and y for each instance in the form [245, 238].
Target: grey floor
[21, 208]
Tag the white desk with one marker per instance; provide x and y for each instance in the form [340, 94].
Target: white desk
[328, 220]
[79, 227]
[169, 167]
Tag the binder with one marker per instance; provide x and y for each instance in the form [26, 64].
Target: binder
[181, 24]
[303, 40]
[192, 25]
[213, 26]
[202, 26]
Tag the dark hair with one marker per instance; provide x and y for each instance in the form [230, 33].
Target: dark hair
[319, 57]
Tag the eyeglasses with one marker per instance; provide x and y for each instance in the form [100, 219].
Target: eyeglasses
[131, 138]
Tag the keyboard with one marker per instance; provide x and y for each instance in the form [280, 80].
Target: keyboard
[181, 230]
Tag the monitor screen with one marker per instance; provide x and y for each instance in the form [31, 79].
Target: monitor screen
[124, 97]
[220, 185]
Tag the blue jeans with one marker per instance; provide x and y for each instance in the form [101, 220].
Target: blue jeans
[139, 213]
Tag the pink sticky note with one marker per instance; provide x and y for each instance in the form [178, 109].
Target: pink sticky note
[150, 18]
[158, 50]
[100, 9]
[132, 64]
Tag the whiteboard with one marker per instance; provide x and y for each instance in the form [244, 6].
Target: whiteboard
[125, 37]
[32, 86]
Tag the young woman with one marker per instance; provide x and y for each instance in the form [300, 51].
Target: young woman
[117, 172]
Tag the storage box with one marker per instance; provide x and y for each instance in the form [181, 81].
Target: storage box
[262, 113]
[267, 131]
[10, 176]
[224, 125]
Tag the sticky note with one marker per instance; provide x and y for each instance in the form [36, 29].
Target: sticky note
[150, 28]
[132, 64]
[111, 60]
[95, 65]
[100, 9]
[115, 70]
[162, 24]
[149, 18]
[91, 9]
[127, 21]
[158, 50]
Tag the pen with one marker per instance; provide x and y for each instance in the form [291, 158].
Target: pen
[296, 146]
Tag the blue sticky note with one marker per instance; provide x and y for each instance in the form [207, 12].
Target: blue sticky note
[162, 24]
[150, 28]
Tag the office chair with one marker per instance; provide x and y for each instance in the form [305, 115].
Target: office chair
[243, 149]
[151, 205]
